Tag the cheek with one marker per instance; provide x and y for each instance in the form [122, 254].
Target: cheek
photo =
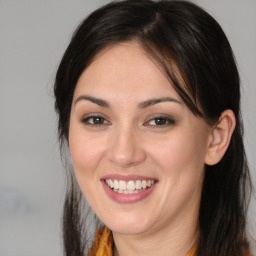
[181, 162]
[86, 151]
[178, 152]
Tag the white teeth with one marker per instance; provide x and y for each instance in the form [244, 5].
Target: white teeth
[130, 187]
[122, 185]
[111, 184]
[116, 184]
[138, 184]
[144, 184]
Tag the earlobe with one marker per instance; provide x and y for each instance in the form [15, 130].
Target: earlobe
[220, 137]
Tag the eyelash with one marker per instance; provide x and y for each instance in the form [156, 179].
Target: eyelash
[163, 121]
[94, 118]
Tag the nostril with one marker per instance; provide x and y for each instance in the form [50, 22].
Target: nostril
[126, 156]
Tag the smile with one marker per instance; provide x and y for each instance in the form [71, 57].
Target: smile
[129, 187]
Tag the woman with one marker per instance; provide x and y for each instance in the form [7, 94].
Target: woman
[148, 100]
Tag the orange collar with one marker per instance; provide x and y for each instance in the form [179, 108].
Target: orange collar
[103, 244]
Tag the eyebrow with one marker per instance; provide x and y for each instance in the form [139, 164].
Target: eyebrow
[144, 104]
[100, 102]
[152, 102]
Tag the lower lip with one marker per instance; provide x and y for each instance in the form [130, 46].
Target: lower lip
[127, 198]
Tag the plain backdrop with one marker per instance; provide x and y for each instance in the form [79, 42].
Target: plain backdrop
[33, 37]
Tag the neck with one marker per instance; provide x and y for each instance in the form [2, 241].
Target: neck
[168, 241]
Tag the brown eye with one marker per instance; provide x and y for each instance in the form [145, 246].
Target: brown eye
[160, 121]
[95, 120]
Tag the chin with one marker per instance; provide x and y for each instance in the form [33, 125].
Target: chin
[128, 224]
[128, 229]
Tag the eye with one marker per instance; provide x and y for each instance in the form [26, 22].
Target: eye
[95, 120]
[160, 121]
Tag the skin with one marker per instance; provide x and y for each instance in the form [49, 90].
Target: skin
[129, 141]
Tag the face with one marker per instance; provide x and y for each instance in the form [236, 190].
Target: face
[138, 152]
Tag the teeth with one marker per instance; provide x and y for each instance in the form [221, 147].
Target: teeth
[122, 185]
[130, 187]
[116, 184]
[138, 184]
[144, 184]
[110, 183]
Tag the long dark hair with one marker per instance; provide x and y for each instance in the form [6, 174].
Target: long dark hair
[175, 34]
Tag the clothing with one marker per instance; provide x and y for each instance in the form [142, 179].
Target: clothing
[103, 244]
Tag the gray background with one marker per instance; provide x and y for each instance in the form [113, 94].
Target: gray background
[33, 36]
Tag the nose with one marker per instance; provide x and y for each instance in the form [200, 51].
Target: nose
[125, 149]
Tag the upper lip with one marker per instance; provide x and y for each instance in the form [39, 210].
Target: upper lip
[126, 177]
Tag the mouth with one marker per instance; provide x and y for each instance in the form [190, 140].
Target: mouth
[130, 186]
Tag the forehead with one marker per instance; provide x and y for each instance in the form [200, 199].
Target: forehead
[124, 69]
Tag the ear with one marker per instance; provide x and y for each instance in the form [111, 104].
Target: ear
[220, 137]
